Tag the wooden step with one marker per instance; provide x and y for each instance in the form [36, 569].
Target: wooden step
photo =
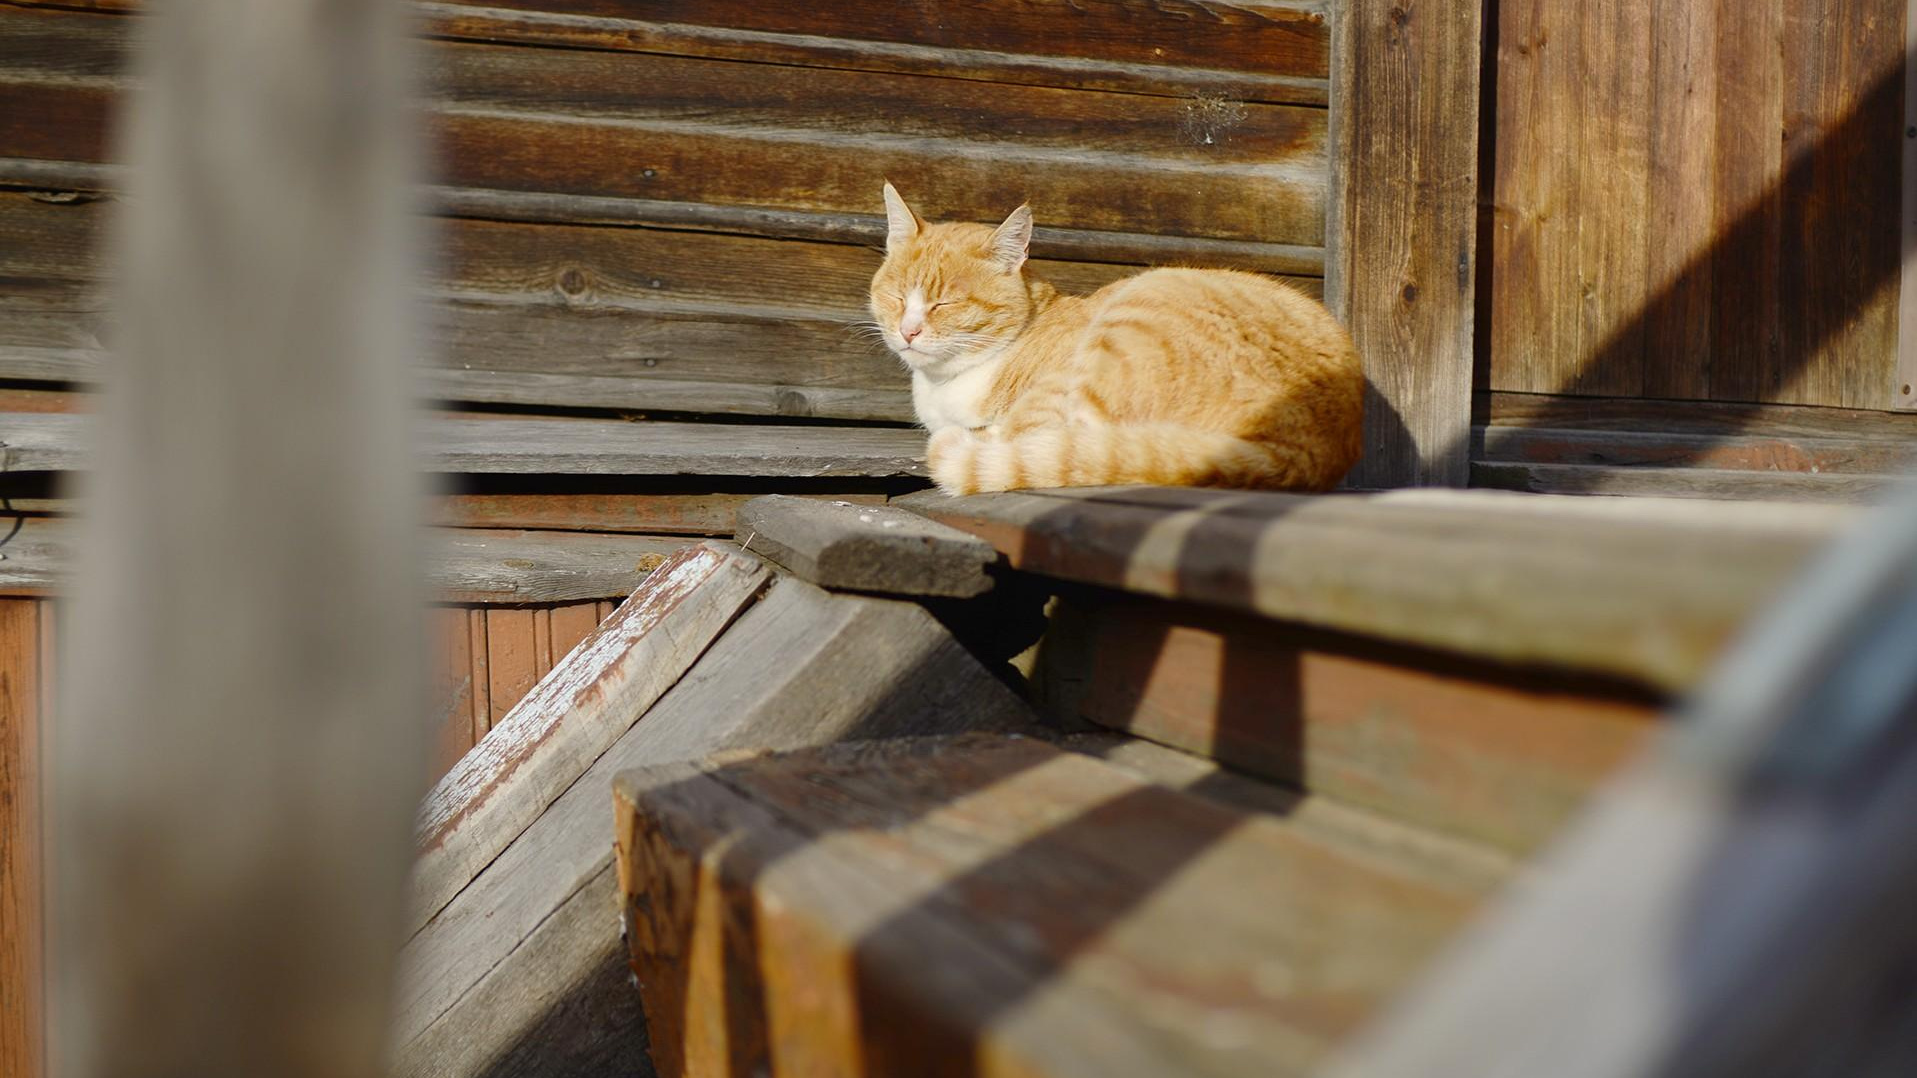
[1642, 590]
[44, 442]
[519, 972]
[999, 906]
[1729, 484]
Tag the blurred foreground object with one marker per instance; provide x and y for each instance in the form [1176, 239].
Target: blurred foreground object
[236, 760]
[1740, 903]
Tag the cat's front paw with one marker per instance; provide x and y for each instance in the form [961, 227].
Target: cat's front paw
[952, 456]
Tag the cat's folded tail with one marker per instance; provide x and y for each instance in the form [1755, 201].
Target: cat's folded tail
[963, 462]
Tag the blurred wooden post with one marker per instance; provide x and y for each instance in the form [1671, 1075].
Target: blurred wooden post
[1904, 393]
[240, 738]
[1401, 228]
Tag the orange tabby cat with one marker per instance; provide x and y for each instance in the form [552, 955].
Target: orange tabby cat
[1174, 376]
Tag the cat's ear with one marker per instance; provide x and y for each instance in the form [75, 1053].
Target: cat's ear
[901, 223]
[1011, 240]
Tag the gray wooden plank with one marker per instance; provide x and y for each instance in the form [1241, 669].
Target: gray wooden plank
[1646, 590]
[567, 447]
[577, 710]
[44, 441]
[462, 564]
[611, 447]
[484, 566]
[874, 548]
[1721, 483]
[800, 667]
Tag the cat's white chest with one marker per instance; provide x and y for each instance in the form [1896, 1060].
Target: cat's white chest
[959, 401]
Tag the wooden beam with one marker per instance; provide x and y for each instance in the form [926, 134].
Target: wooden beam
[1401, 231]
[1903, 391]
[240, 746]
[463, 565]
[1715, 483]
[992, 906]
[849, 547]
[799, 667]
[1646, 590]
[702, 514]
[575, 713]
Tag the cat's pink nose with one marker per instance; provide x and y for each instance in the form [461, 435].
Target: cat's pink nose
[910, 334]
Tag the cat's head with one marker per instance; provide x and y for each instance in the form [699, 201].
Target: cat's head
[949, 295]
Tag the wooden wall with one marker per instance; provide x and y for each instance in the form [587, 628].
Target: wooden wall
[674, 206]
[1694, 200]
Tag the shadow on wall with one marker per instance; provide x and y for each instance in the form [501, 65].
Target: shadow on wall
[1744, 268]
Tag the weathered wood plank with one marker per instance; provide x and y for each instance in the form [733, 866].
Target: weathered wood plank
[1695, 417]
[1689, 482]
[1280, 47]
[799, 667]
[22, 1044]
[1466, 749]
[1257, 38]
[557, 315]
[639, 125]
[464, 565]
[848, 547]
[1646, 590]
[44, 442]
[995, 907]
[581, 447]
[1757, 453]
[1448, 862]
[474, 566]
[703, 514]
[1402, 227]
[40, 442]
[552, 735]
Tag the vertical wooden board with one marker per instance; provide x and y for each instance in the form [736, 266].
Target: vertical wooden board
[1613, 41]
[542, 640]
[570, 624]
[1683, 156]
[1904, 391]
[451, 686]
[1746, 261]
[1525, 189]
[20, 876]
[482, 680]
[1844, 63]
[512, 659]
[1402, 227]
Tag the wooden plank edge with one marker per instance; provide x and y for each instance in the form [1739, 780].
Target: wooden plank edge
[865, 230]
[573, 714]
[462, 22]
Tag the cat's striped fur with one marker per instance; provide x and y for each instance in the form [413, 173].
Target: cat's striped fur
[1173, 376]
